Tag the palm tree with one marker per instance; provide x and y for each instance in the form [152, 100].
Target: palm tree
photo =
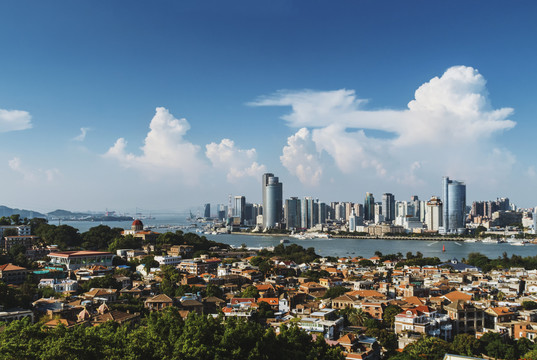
[357, 317]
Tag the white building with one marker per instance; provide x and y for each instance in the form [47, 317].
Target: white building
[433, 214]
[59, 285]
[168, 260]
[74, 260]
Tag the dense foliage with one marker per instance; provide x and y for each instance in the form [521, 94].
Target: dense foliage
[162, 335]
[292, 252]
[502, 262]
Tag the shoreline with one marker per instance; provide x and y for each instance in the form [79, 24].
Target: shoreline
[365, 237]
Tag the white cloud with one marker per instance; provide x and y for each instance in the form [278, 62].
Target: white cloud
[301, 159]
[12, 120]
[164, 149]
[33, 175]
[446, 129]
[237, 162]
[82, 135]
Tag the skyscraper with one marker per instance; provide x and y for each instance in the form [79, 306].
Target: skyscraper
[207, 211]
[239, 209]
[433, 214]
[272, 201]
[292, 213]
[388, 207]
[454, 202]
[369, 207]
[309, 212]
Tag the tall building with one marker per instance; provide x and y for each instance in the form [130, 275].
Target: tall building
[323, 213]
[272, 201]
[207, 210]
[239, 208]
[339, 211]
[388, 207]
[352, 221]
[433, 214]
[369, 207]
[309, 212]
[454, 202]
[416, 202]
[292, 213]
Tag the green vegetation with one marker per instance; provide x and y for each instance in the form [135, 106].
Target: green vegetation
[162, 335]
[292, 252]
[502, 262]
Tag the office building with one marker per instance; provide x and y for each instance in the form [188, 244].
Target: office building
[272, 201]
[388, 207]
[309, 212]
[207, 211]
[352, 221]
[454, 202]
[292, 213]
[433, 214]
[239, 208]
[369, 207]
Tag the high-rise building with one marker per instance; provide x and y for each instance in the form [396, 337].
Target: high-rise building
[309, 212]
[416, 202]
[388, 207]
[369, 207]
[454, 203]
[323, 213]
[272, 201]
[239, 208]
[352, 221]
[207, 210]
[433, 214]
[339, 211]
[292, 212]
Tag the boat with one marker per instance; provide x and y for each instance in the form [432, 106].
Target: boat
[284, 241]
[443, 248]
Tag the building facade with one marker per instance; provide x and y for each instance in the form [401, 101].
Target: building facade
[454, 201]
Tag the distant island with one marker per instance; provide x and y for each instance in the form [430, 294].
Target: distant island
[79, 216]
[7, 211]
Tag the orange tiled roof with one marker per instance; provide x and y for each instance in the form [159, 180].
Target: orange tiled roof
[10, 267]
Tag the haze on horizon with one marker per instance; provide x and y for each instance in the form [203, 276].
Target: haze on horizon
[166, 106]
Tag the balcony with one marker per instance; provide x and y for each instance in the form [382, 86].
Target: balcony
[447, 327]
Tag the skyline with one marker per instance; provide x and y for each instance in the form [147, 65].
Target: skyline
[169, 106]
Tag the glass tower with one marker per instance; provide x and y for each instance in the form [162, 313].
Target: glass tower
[454, 202]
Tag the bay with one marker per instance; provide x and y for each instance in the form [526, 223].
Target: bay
[335, 246]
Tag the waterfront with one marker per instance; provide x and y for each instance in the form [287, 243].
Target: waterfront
[366, 247]
[338, 247]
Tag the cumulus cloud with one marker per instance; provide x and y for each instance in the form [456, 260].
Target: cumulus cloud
[237, 162]
[165, 148]
[12, 120]
[82, 136]
[301, 159]
[446, 127]
[32, 175]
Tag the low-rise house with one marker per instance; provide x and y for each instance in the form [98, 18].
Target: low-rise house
[525, 329]
[10, 315]
[12, 274]
[158, 302]
[423, 320]
[59, 286]
[101, 294]
[466, 316]
[27, 241]
[73, 260]
[360, 347]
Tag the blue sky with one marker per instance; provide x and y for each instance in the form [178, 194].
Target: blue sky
[316, 92]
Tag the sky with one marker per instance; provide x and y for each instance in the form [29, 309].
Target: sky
[125, 105]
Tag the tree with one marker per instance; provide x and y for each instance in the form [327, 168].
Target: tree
[99, 237]
[529, 305]
[250, 292]
[335, 291]
[357, 317]
[428, 348]
[389, 314]
[465, 344]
